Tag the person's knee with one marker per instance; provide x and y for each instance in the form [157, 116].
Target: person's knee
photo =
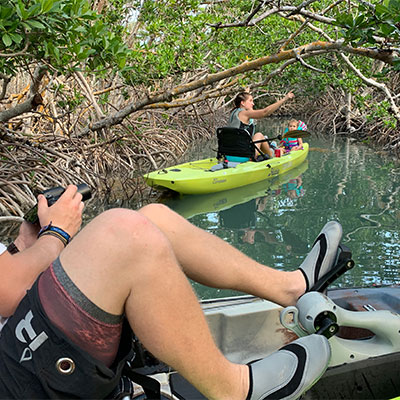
[258, 136]
[161, 215]
[120, 226]
[156, 210]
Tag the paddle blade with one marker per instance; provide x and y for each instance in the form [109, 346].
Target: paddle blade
[296, 133]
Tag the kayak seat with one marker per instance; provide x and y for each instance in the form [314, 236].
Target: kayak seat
[236, 145]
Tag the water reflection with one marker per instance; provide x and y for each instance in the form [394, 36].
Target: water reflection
[276, 222]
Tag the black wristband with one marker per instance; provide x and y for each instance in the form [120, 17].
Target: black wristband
[12, 248]
[56, 232]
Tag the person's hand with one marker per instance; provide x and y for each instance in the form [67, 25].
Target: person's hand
[299, 181]
[65, 213]
[27, 235]
[289, 96]
[249, 236]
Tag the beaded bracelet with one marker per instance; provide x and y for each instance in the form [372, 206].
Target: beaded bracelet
[56, 232]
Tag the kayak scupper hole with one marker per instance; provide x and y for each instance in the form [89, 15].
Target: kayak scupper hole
[351, 356]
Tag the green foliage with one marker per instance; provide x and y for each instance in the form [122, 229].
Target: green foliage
[380, 112]
[67, 34]
[70, 103]
[367, 23]
[172, 36]
[172, 39]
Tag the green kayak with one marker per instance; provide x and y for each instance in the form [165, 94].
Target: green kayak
[201, 177]
[188, 206]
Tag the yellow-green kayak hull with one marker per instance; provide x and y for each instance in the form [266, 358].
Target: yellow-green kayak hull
[188, 206]
[197, 178]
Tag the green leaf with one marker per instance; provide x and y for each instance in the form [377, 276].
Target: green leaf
[359, 20]
[6, 12]
[34, 10]
[35, 24]
[46, 6]
[56, 52]
[387, 29]
[7, 40]
[16, 38]
[381, 10]
[21, 10]
[122, 62]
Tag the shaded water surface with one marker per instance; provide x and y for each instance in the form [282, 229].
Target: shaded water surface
[276, 222]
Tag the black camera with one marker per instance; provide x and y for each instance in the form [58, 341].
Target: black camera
[52, 195]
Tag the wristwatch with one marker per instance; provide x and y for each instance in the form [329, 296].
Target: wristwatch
[12, 248]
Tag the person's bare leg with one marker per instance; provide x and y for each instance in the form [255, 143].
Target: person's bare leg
[123, 263]
[209, 260]
[263, 146]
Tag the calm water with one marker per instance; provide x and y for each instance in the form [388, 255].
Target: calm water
[275, 222]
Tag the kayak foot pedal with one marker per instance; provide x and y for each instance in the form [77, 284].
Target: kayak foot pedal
[344, 263]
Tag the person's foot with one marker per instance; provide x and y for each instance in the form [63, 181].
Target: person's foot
[291, 371]
[323, 254]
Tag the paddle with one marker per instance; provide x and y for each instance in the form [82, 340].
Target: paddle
[295, 133]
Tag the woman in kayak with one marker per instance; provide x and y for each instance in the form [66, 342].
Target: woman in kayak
[73, 304]
[244, 116]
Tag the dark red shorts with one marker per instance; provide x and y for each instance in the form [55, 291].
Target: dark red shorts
[37, 360]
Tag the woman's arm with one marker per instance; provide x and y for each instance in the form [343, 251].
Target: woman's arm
[264, 112]
[19, 271]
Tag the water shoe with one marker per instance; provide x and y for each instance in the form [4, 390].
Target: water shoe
[323, 255]
[291, 371]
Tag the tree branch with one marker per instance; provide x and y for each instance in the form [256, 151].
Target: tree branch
[291, 10]
[22, 108]
[34, 100]
[304, 64]
[6, 81]
[372, 82]
[19, 53]
[88, 93]
[155, 101]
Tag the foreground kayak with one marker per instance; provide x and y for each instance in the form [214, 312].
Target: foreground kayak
[365, 360]
[197, 177]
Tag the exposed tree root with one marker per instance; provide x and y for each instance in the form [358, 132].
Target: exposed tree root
[335, 114]
[112, 165]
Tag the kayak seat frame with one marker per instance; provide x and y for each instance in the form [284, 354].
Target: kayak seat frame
[224, 164]
[237, 142]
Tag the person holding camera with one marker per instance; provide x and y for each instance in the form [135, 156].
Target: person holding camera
[73, 304]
